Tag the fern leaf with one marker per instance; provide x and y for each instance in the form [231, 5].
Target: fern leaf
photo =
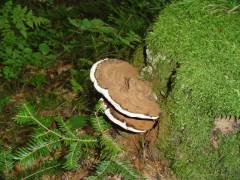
[27, 115]
[6, 160]
[73, 156]
[49, 168]
[67, 131]
[114, 166]
[125, 169]
[110, 147]
[24, 114]
[99, 107]
[102, 170]
[36, 148]
[99, 124]
[40, 133]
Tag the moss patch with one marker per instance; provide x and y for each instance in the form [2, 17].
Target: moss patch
[203, 37]
[138, 58]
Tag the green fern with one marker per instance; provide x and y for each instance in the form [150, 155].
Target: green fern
[22, 18]
[50, 168]
[65, 128]
[73, 156]
[114, 166]
[17, 49]
[36, 148]
[108, 145]
[46, 140]
[98, 123]
[25, 114]
[109, 151]
[6, 159]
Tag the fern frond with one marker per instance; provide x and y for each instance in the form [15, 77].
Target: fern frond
[113, 167]
[32, 20]
[40, 133]
[74, 154]
[49, 168]
[36, 148]
[102, 170]
[6, 160]
[66, 130]
[98, 123]
[77, 121]
[110, 147]
[25, 111]
[99, 107]
[26, 20]
[27, 115]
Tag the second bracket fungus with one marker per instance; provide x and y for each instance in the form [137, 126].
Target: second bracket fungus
[131, 99]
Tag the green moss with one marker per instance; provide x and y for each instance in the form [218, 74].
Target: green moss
[138, 58]
[205, 40]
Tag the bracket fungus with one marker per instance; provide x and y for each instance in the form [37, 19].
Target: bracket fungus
[129, 101]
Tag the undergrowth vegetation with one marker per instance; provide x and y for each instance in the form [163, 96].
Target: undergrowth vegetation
[78, 145]
[202, 37]
[48, 119]
[16, 25]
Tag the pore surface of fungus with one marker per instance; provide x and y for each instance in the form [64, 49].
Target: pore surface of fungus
[119, 83]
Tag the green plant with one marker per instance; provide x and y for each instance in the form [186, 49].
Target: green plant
[6, 159]
[134, 15]
[4, 100]
[102, 37]
[33, 34]
[16, 49]
[46, 140]
[38, 80]
[114, 166]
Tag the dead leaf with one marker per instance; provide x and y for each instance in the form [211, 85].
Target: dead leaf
[63, 68]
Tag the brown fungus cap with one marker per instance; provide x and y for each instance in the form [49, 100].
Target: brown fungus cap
[119, 83]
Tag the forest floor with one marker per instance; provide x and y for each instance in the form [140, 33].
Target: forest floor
[57, 99]
[197, 83]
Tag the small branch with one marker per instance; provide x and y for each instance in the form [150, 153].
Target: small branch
[53, 132]
[51, 167]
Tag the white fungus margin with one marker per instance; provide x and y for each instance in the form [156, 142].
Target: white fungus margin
[118, 122]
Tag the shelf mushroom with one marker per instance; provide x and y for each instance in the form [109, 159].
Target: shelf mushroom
[127, 123]
[128, 96]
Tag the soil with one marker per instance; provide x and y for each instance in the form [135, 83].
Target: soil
[141, 150]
